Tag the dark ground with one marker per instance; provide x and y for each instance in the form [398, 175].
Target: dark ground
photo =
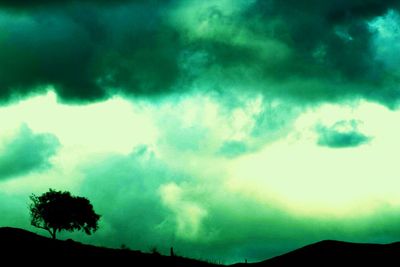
[337, 253]
[19, 246]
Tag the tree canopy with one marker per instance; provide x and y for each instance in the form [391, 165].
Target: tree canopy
[55, 211]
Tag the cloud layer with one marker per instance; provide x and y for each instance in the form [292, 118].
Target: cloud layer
[89, 51]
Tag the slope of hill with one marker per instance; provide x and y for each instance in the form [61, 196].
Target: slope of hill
[337, 253]
[19, 246]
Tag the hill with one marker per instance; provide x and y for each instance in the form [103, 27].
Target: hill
[337, 253]
[23, 247]
[19, 247]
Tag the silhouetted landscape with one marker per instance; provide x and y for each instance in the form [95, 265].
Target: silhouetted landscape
[338, 253]
[199, 133]
[20, 246]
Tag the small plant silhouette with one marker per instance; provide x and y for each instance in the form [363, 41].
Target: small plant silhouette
[125, 247]
[154, 251]
[55, 211]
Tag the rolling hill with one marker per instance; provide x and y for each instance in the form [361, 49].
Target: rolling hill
[337, 253]
[23, 247]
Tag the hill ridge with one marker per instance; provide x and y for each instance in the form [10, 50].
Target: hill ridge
[338, 253]
[32, 248]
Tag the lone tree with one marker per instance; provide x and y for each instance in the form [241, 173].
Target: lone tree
[54, 211]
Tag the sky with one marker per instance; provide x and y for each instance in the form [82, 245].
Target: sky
[230, 129]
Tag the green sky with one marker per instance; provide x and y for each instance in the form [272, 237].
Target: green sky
[228, 129]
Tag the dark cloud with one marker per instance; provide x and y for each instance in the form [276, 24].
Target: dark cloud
[342, 134]
[87, 52]
[318, 50]
[26, 152]
[309, 51]
[22, 4]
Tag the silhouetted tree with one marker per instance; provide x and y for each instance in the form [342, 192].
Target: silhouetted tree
[56, 210]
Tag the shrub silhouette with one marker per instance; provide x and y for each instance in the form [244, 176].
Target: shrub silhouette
[55, 211]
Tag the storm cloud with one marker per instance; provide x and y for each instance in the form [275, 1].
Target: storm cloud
[87, 53]
[24, 5]
[312, 51]
[26, 152]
